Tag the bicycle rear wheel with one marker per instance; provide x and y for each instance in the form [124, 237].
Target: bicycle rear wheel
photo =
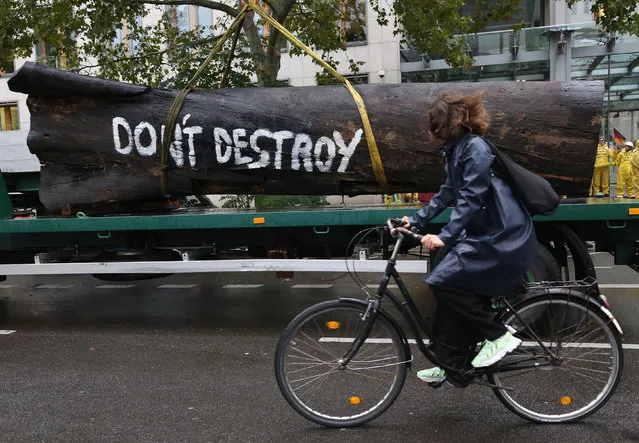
[308, 373]
[584, 373]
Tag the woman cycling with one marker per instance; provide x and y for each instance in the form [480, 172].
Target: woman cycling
[490, 235]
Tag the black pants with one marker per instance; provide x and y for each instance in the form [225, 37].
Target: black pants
[461, 320]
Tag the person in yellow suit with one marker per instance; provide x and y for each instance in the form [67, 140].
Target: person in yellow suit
[601, 175]
[635, 165]
[624, 174]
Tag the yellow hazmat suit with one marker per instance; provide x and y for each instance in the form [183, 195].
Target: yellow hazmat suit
[601, 176]
[635, 165]
[624, 174]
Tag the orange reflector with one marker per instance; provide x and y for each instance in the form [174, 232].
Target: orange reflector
[355, 400]
[565, 401]
[332, 324]
[633, 211]
[259, 220]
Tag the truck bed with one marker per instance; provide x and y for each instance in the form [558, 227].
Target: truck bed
[570, 210]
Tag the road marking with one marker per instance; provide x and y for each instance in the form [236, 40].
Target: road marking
[377, 286]
[311, 286]
[412, 341]
[243, 286]
[55, 286]
[619, 286]
[6, 331]
[7, 286]
[604, 267]
[176, 286]
[115, 286]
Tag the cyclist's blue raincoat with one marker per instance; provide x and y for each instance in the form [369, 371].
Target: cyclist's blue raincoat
[491, 234]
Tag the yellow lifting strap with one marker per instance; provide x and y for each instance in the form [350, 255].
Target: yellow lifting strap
[169, 130]
[376, 160]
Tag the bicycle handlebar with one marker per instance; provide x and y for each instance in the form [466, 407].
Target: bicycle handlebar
[395, 225]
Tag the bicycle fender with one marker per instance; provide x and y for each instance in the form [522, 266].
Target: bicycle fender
[594, 302]
[391, 320]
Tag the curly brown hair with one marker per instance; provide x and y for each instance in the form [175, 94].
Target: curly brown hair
[451, 112]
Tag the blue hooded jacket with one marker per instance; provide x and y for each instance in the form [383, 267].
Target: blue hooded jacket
[490, 233]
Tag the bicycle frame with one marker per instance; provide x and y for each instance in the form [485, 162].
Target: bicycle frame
[417, 323]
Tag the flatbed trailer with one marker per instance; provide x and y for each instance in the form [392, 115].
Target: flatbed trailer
[132, 246]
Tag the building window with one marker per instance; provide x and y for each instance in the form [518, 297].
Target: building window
[44, 52]
[49, 55]
[119, 37]
[181, 17]
[355, 79]
[358, 79]
[126, 35]
[134, 44]
[353, 23]
[205, 19]
[9, 117]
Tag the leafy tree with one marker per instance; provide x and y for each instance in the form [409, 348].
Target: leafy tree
[269, 202]
[615, 15]
[323, 24]
[237, 201]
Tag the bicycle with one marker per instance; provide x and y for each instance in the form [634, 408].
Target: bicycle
[343, 362]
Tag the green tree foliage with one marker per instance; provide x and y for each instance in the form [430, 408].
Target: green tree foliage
[615, 15]
[326, 25]
[237, 201]
[272, 202]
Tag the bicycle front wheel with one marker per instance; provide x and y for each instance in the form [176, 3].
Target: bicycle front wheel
[308, 371]
[576, 373]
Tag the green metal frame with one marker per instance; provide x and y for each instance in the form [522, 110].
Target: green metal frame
[23, 181]
[614, 212]
[6, 208]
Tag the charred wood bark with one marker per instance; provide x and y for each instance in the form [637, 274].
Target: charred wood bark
[99, 140]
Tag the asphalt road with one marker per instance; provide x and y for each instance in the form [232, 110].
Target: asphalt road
[190, 358]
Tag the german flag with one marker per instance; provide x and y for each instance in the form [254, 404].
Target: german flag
[619, 139]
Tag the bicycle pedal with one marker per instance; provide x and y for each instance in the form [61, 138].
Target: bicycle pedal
[437, 384]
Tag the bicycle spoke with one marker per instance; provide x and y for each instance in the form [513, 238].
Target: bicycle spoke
[316, 344]
[599, 362]
[580, 380]
[585, 378]
[363, 374]
[309, 395]
[310, 376]
[305, 354]
[305, 368]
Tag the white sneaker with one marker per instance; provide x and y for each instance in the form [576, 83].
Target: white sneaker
[432, 375]
[493, 351]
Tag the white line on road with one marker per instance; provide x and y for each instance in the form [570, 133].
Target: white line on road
[55, 286]
[412, 341]
[243, 286]
[619, 286]
[6, 331]
[604, 267]
[176, 286]
[115, 286]
[7, 286]
[311, 286]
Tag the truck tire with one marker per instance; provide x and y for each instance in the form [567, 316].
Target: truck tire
[545, 267]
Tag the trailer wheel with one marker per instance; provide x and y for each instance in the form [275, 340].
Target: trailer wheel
[545, 267]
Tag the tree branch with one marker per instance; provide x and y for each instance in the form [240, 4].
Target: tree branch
[211, 4]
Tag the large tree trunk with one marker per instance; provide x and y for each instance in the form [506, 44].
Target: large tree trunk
[98, 140]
